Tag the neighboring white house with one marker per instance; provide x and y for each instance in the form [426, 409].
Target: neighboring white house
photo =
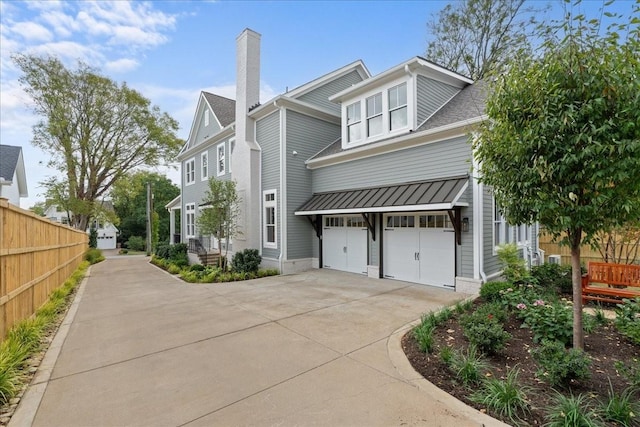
[107, 232]
[353, 172]
[13, 178]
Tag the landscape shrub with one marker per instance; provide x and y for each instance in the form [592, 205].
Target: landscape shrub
[553, 276]
[94, 256]
[93, 238]
[163, 250]
[490, 291]
[551, 321]
[558, 365]
[628, 319]
[484, 329]
[506, 396]
[246, 261]
[514, 268]
[423, 333]
[136, 243]
[174, 269]
[631, 373]
[197, 267]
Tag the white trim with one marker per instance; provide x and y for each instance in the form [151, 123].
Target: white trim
[232, 143]
[221, 171]
[189, 172]
[411, 208]
[265, 205]
[342, 71]
[188, 212]
[478, 245]
[206, 117]
[223, 134]
[283, 185]
[204, 170]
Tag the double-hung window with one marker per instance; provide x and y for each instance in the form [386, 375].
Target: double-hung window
[190, 171]
[221, 159]
[374, 115]
[398, 107]
[269, 219]
[204, 166]
[353, 122]
[190, 219]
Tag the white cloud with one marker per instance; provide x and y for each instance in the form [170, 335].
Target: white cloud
[69, 52]
[127, 35]
[32, 32]
[62, 24]
[121, 65]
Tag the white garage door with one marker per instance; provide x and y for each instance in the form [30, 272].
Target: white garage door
[344, 244]
[106, 241]
[420, 248]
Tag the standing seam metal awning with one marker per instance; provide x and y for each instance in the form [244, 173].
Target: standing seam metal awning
[440, 194]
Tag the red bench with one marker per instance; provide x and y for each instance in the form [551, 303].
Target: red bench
[611, 282]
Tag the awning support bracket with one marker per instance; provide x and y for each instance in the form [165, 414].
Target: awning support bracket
[315, 224]
[454, 216]
[371, 222]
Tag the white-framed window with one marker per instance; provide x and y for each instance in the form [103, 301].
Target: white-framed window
[269, 231]
[220, 159]
[504, 233]
[190, 171]
[374, 115]
[398, 107]
[232, 146]
[354, 128]
[206, 117]
[204, 166]
[190, 219]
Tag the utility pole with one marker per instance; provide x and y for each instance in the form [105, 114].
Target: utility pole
[149, 218]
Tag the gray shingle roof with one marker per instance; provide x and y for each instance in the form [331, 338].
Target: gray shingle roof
[223, 108]
[469, 103]
[8, 161]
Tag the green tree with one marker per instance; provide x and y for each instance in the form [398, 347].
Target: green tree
[129, 197]
[38, 208]
[220, 211]
[562, 142]
[476, 37]
[94, 129]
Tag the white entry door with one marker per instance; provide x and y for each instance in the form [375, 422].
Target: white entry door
[420, 248]
[344, 244]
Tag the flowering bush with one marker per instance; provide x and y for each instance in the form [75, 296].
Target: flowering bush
[550, 321]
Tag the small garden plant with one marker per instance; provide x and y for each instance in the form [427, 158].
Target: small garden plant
[510, 352]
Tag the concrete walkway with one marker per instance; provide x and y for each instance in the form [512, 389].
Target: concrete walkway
[318, 348]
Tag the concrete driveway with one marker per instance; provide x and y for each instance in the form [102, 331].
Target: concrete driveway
[317, 348]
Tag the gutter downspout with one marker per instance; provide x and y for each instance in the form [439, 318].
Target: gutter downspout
[283, 195]
[478, 224]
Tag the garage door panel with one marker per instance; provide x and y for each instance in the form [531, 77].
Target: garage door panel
[357, 250]
[437, 257]
[400, 255]
[334, 243]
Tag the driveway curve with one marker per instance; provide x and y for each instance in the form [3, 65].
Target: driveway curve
[146, 349]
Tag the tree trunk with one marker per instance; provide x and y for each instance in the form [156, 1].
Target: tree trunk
[576, 279]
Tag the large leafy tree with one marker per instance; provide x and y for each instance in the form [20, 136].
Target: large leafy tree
[219, 210]
[562, 142]
[94, 129]
[129, 196]
[477, 37]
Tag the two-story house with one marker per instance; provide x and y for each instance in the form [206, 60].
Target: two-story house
[366, 174]
[13, 177]
[107, 232]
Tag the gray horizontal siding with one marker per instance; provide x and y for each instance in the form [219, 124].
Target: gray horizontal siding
[438, 160]
[432, 95]
[204, 132]
[305, 135]
[491, 263]
[268, 137]
[465, 250]
[320, 96]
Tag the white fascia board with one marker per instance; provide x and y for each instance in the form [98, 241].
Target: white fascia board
[409, 140]
[195, 121]
[308, 87]
[411, 208]
[21, 175]
[224, 133]
[176, 203]
[294, 105]
[460, 193]
[440, 70]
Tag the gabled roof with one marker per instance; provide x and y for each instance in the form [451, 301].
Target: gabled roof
[223, 108]
[9, 156]
[12, 164]
[467, 104]
[307, 87]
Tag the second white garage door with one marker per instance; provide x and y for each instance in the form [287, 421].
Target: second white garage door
[344, 244]
[420, 248]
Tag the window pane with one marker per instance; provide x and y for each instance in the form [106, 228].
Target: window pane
[423, 221]
[353, 113]
[398, 118]
[374, 105]
[374, 126]
[354, 132]
[271, 234]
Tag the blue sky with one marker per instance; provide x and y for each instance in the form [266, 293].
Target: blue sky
[171, 50]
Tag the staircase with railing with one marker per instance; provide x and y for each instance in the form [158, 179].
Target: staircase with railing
[199, 247]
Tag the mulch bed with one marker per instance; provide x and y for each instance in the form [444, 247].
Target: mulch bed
[605, 346]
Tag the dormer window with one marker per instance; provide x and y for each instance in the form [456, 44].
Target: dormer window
[398, 107]
[353, 122]
[374, 115]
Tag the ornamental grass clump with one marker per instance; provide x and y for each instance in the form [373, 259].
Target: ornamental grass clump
[622, 409]
[469, 366]
[505, 397]
[572, 411]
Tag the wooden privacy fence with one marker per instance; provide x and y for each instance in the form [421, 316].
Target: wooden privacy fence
[36, 257]
[587, 254]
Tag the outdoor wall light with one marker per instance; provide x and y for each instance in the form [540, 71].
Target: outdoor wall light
[465, 224]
